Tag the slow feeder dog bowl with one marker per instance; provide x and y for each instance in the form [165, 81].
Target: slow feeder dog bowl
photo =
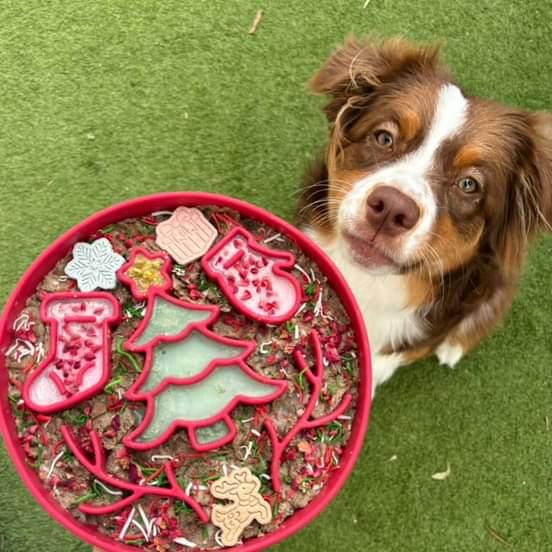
[183, 370]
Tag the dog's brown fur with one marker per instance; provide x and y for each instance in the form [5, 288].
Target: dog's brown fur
[469, 280]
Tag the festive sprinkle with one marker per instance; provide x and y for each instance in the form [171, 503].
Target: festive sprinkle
[218, 539]
[255, 432]
[248, 449]
[107, 489]
[53, 465]
[157, 457]
[263, 346]
[124, 530]
[303, 272]
[162, 213]
[276, 237]
[23, 322]
[142, 530]
[185, 542]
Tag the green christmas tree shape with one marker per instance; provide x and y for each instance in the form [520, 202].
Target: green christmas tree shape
[192, 377]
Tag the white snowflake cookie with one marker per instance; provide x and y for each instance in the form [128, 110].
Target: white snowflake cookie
[94, 265]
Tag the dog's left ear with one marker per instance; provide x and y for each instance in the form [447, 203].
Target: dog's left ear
[537, 177]
[359, 67]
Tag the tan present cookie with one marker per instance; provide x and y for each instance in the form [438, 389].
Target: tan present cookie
[186, 236]
[241, 487]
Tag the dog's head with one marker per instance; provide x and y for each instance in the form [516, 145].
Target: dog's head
[420, 173]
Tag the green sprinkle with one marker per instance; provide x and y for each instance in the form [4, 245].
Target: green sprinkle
[110, 387]
[301, 380]
[310, 289]
[131, 358]
[77, 419]
[108, 229]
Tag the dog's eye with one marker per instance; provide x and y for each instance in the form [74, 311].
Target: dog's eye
[384, 139]
[468, 185]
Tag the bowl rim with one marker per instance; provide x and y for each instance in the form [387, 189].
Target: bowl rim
[142, 206]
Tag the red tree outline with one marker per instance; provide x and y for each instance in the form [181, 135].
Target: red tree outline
[97, 468]
[315, 377]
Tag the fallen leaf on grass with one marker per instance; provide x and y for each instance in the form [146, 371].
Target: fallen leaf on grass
[441, 476]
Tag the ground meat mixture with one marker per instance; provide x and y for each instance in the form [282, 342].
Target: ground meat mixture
[161, 523]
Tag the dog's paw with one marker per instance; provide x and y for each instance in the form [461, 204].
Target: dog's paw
[449, 353]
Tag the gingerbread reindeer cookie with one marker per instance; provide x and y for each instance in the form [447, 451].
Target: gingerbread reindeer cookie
[241, 487]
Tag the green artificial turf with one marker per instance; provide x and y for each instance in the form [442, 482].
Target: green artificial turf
[105, 100]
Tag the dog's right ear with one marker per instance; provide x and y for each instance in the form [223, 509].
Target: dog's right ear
[356, 69]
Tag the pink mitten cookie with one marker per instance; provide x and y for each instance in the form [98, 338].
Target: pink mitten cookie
[254, 277]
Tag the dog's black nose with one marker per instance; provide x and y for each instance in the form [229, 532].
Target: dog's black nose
[391, 212]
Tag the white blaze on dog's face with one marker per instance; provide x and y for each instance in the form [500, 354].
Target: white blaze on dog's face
[389, 212]
[421, 177]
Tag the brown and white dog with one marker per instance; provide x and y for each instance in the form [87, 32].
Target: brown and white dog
[426, 198]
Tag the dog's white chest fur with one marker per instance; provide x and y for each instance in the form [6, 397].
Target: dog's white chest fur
[384, 304]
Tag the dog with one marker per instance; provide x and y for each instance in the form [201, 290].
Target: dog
[426, 198]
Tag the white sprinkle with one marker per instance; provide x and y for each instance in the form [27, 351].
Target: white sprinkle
[142, 530]
[296, 332]
[325, 362]
[343, 417]
[310, 469]
[335, 459]
[313, 276]
[185, 542]
[262, 348]
[218, 539]
[119, 393]
[124, 530]
[255, 432]
[225, 469]
[303, 272]
[161, 213]
[11, 349]
[20, 402]
[107, 489]
[265, 476]
[248, 421]
[366, 4]
[283, 371]
[393, 458]
[189, 488]
[301, 308]
[144, 519]
[53, 464]
[155, 531]
[22, 322]
[157, 457]
[277, 237]
[40, 352]
[234, 467]
[202, 488]
[152, 528]
[247, 448]
[63, 278]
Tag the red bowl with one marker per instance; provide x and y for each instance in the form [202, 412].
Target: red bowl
[140, 207]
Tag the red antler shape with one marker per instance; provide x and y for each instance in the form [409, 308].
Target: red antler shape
[315, 377]
[97, 468]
